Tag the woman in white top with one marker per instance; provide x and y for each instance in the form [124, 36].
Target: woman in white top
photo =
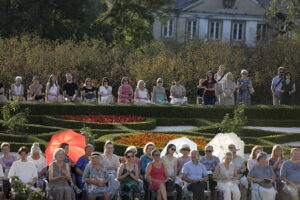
[170, 162]
[227, 177]
[17, 90]
[228, 88]
[105, 92]
[141, 95]
[52, 90]
[39, 161]
[220, 78]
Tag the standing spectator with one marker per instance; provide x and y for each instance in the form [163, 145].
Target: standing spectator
[228, 88]
[6, 160]
[52, 90]
[81, 164]
[220, 79]
[125, 91]
[157, 175]
[95, 178]
[159, 95]
[276, 161]
[227, 178]
[141, 94]
[128, 175]
[253, 157]
[89, 92]
[200, 92]
[245, 89]
[23, 169]
[259, 175]
[105, 92]
[185, 150]
[17, 90]
[275, 86]
[35, 90]
[290, 173]
[36, 156]
[209, 85]
[70, 90]
[178, 93]
[145, 159]
[210, 162]
[287, 88]
[194, 173]
[60, 177]
[2, 94]
[111, 163]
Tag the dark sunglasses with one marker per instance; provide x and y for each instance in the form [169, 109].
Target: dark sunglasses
[129, 156]
[185, 149]
[173, 149]
[208, 151]
[156, 154]
[159, 81]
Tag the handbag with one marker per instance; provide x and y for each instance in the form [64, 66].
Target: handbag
[251, 90]
[267, 183]
[170, 185]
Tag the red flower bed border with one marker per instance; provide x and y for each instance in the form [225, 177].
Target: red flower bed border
[104, 118]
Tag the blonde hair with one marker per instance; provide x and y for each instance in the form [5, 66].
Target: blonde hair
[146, 147]
[253, 151]
[35, 148]
[228, 153]
[108, 142]
[275, 147]
[159, 79]
[228, 75]
[18, 78]
[140, 82]
[57, 151]
[244, 71]
[131, 148]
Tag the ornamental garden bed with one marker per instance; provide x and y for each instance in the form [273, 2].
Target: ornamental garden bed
[104, 118]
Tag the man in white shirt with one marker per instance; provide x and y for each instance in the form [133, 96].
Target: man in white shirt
[24, 169]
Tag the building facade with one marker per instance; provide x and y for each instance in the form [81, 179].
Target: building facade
[235, 21]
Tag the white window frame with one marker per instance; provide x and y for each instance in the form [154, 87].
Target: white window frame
[261, 31]
[240, 27]
[214, 35]
[191, 29]
[168, 28]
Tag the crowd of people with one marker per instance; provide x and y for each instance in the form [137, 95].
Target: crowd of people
[153, 175]
[219, 88]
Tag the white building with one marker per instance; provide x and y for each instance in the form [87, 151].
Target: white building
[234, 21]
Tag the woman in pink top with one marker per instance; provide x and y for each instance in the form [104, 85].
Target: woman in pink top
[157, 175]
[125, 91]
[253, 157]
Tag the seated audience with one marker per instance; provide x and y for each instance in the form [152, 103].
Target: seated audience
[81, 164]
[210, 162]
[290, 174]
[157, 175]
[67, 159]
[252, 161]
[24, 169]
[17, 90]
[89, 92]
[35, 90]
[244, 89]
[6, 160]
[125, 91]
[262, 177]
[37, 157]
[228, 88]
[105, 92]
[60, 177]
[70, 90]
[209, 85]
[128, 175]
[2, 94]
[178, 93]
[185, 151]
[95, 178]
[170, 162]
[52, 90]
[133, 149]
[227, 178]
[194, 173]
[111, 163]
[159, 95]
[141, 94]
[145, 159]
[200, 92]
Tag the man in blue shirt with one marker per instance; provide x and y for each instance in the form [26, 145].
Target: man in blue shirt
[276, 84]
[194, 173]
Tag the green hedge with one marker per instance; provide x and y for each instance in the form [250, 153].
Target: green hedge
[274, 123]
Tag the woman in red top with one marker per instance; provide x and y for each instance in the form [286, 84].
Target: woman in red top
[157, 175]
[209, 96]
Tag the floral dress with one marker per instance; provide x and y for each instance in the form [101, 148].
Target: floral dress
[129, 186]
[243, 94]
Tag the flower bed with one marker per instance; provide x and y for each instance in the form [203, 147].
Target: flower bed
[104, 118]
[159, 139]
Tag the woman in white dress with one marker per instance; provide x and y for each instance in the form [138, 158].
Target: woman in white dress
[220, 78]
[228, 88]
[105, 92]
[141, 95]
[52, 90]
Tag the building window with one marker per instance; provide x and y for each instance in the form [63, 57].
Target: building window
[238, 31]
[168, 29]
[191, 29]
[215, 30]
[261, 31]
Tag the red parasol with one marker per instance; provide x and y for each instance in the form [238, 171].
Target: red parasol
[76, 145]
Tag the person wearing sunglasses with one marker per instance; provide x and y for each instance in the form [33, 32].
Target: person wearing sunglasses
[185, 151]
[157, 175]
[128, 175]
[210, 162]
[159, 93]
[105, 92]
[170, 161]
[275, 85]
[125, 91]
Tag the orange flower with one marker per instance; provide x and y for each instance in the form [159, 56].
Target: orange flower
[159, 139]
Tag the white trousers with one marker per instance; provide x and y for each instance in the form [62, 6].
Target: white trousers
[230, 190]
[261, 193]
